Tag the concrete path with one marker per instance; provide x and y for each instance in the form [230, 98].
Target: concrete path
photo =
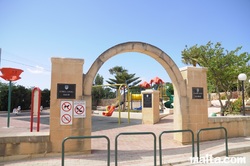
[132, 150]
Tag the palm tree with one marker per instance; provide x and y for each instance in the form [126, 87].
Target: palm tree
[123, 77]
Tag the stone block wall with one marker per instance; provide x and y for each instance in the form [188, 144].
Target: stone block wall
[24, 145]
[236, 126]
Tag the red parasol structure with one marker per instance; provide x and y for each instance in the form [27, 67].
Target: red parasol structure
[156, 80]
[144, 84]
[10, 74]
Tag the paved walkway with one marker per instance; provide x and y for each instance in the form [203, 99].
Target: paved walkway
[132, 150]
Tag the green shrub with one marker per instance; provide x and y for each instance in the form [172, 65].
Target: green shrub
[236, 105]
[223, 97]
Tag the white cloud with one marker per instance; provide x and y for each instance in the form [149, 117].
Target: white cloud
[37, 70]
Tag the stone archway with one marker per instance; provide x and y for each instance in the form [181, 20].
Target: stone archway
[189, 112]
[160, 56]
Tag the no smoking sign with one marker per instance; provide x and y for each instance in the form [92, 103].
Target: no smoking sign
[67, 108]
[79, 109]
[66, 113]
[66, 119]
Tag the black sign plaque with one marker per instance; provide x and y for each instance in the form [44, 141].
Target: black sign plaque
[197, 93]
[147, 100]
[66, 91]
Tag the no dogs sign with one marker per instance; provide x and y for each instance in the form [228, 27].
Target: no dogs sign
[79, 109]
[66, 113]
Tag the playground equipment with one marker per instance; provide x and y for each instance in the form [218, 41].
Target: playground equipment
[136, 97]
[145, 85]
[168, 104]
[111, 108]
[126, 99]
[158, 84]
[121, 99]
[10, 74]
[35, 108]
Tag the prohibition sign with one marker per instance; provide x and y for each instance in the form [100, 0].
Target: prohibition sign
[66, 119]
[66, 106]
[79, 109]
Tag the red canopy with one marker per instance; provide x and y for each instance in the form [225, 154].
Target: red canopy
[156, 80]
[11, 74]
[144, 84]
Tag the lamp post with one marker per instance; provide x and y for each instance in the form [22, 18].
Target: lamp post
[242, 77]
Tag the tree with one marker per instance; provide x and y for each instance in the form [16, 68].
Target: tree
[45, 98]
[191, 55]
[108, 93]
[20, 96]
[122, 77]
[98, 91]
[4, 96]
[223, 67]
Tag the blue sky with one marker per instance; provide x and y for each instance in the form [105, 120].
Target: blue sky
[33, 31]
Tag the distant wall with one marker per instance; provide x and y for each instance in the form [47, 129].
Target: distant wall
[215, 96]
[237, 126]
[105, 102]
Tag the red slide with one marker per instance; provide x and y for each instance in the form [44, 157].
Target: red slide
[109, 110]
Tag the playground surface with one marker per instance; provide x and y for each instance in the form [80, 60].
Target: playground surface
[132, 150]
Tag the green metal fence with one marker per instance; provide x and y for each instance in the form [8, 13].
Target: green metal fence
[87, 137]
[215, 128]
[174, 131]
[147, 133]
[134, 133]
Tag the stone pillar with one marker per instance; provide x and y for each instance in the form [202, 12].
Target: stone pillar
[150, 107]
[67, 71]
[196, 115]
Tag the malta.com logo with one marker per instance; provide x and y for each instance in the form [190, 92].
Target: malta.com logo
[209, 159]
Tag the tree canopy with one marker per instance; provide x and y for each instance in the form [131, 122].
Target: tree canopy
[223, 66]
[20, 96]
[98, 91]
[123, 77]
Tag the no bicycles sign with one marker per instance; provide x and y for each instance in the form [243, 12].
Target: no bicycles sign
[79, 109]
[66, 113]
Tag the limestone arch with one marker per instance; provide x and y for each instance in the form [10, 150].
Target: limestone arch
[160, 56]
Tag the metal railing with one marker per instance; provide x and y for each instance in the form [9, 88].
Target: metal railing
[215, 128]
[147, 133]
[87, 137]
[174, 131]
[134, 133]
